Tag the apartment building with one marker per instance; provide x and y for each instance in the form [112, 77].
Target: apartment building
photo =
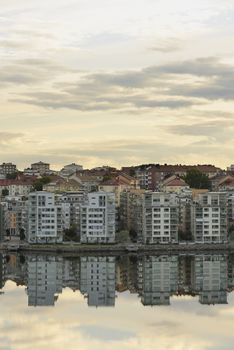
[160, 218]
[41, 167]
[209, 217]
[8, 168]
[98, 218]
[15, 215]
[44, 218]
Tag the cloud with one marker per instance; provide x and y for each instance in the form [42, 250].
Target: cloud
[6, 137]
[151, 88]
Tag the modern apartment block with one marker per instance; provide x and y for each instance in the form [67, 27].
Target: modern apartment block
[97, 280]
[15, 215]
[41, 167]
[160, 218]
[131, 212]
[8, 168]
[158, 279]
[44, 218]
[74, 200]
[98, 218]
[209, 217]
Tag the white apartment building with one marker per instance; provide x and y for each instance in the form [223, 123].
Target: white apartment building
[98, 218]
[41, 167]
[160, 218]
[70, 169]
[209, 217]
[44, 218]
[97, 280]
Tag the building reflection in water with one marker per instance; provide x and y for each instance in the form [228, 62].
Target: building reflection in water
[97, 280]
[154, 278]
[44, 279]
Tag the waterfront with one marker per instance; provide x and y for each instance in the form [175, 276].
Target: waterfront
[128, 302]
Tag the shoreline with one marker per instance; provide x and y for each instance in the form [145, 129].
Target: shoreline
[118, 249]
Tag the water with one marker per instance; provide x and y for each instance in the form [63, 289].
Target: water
[128, 302]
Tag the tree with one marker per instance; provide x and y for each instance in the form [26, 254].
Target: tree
[197, 179]
[71, 234]
[39, 183]
[5, 192]
[12, 176]
[22, 234]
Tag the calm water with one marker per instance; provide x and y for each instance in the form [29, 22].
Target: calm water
[128, 303]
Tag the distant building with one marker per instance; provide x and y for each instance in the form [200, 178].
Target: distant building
[41, 167]
[209, 217]
[70, 169]
[160, 218]
[98, 218]
[44, 219]
[8, 168]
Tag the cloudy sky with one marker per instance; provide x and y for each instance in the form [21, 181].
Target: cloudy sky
[117, 82]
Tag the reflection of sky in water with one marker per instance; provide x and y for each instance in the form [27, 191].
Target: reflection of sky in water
[185, 324]
[125, 323]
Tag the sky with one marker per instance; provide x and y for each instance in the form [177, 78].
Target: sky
[117, 82]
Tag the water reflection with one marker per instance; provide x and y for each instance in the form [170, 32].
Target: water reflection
[155, 279]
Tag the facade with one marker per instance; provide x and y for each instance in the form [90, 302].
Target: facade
[41, 167]
[70, 169]
[97, 280]
[8, 168]
[44, 218]
[74, 200]
[15, 215]
[131, 212]
[98, 218]
[160, 218]
[209, 217]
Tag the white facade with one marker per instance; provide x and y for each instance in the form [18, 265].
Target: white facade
[45, 218]
[70, 169]
[160, 218]
[209, 217]
[41, 167]
[98, 218]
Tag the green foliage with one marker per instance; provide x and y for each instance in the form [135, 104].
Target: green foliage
[5, 192]
[22, 234]
[197, 179]
[12, 176]
[39, 183]
[71, 234]
[122, 237]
